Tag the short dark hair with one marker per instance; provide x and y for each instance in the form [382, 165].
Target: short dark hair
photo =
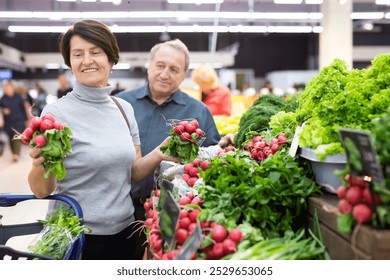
[93, 31]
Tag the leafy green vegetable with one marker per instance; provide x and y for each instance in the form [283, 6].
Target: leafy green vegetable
[55, 150]
[61, 229]
[271, 195]
[184, 150]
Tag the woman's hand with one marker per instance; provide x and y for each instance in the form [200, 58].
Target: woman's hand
[163, 156]
[35, 154]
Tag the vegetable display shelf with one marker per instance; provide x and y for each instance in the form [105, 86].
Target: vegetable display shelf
[364, 243]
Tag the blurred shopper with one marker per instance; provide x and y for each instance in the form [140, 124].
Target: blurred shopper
[40, 99]
[218, 98]
[117, 89]
[64, 87]
[14, 112]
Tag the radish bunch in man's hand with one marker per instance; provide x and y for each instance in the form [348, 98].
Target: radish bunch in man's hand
[185, 141]
[53, 138]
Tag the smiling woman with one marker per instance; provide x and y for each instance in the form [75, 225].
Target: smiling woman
[106, 152]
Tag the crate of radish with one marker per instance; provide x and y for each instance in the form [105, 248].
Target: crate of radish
[186, 137]
[217, 241]
[53, 138]
[261, 146]
[356, 205]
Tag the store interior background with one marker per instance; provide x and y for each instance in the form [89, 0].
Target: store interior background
[241, 57]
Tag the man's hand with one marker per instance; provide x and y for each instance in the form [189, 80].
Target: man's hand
[227, 140]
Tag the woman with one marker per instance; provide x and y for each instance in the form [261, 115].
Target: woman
[106, 154]
[15, 116]
[218, 98]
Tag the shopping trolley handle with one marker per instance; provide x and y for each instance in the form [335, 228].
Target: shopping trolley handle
[13, 199]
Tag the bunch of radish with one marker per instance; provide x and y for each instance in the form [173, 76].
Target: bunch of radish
[228, 149]
[260, 148]
[223, 242]
[357, 199]
[185, 139]
[191, 170]
[53, 138]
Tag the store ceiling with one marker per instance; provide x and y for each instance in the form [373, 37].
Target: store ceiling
[190, 13]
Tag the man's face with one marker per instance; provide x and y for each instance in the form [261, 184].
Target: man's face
[166, 71]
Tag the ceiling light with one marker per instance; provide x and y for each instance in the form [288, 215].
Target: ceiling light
[368, 26]
[315, 2]
[197, 2]
[382, 2]
[288, 1]
[367, 15]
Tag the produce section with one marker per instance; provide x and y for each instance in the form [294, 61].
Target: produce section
[269, 192]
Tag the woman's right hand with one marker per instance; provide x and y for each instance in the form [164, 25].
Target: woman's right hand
[35, 154]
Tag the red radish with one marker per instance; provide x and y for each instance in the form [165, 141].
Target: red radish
[282, 139]
[205, 164]
[146, 206]
[195, 123]
[218, 251]
[344, 207]
[354, 195]
[187, 167]
[185, 136]
[196, 162]
[199, 132]
[362, 213]
[193, 215]
[190, 128]
[58, 126]
[274, 148]
[181, 235]
[235, 235]
[157, 192]
[184, 200]
[185, 177]
[150, 213]
[28, 132]
[179, 129]
[229, 148]
[40, 140]
[229, 246]
[191, 227]
[48, 117]
[367, 196]
[35, 123]
[219, 233]
[191, 181]
[184, 222]
[354, 181]
[194, 172]
[46, 125]
[257, 138]
[190, 195]
[183, 214]
[183, 123]
[148, 222]
[197, 201]
[341, 191]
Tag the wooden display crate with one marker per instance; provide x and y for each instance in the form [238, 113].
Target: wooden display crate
[364, 243]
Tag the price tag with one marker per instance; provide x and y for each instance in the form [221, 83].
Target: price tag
[294, 144]
[165, 186]
[169, 217]
[361, 154]
[191, 245]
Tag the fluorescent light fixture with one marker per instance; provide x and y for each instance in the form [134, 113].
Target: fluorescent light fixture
[367, 15]
[387, 15]
[66, 0]
[122, 66]
[88, 1]
[288, 1]
[289, 29]
[178, 29]
[382, 2]
[197, 2]
[248, 29]
[314, 2]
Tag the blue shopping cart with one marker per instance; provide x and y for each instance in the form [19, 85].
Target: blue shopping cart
[8, 231]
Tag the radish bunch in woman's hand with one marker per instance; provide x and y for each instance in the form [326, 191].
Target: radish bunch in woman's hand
[53, 138]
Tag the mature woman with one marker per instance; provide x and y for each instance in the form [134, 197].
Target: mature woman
[106, 154]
